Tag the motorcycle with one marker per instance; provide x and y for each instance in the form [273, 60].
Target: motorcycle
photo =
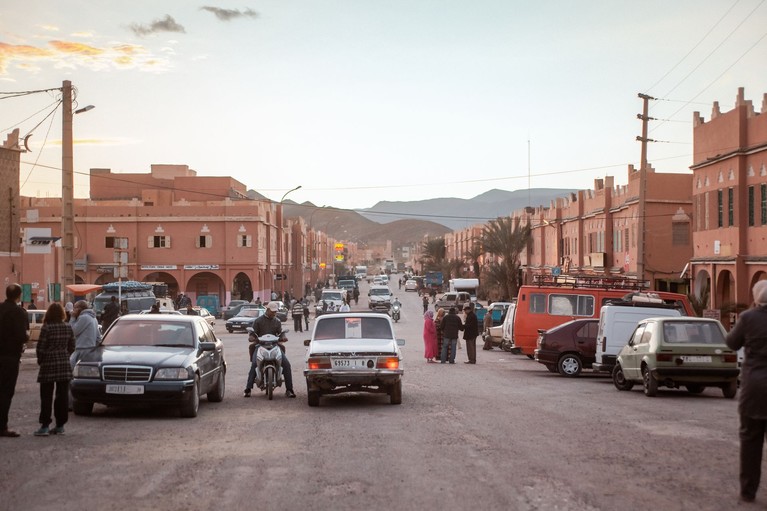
[268, 361]
[395, 310]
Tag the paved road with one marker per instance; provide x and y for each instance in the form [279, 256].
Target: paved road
[504, 434]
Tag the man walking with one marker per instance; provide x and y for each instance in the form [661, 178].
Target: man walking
[298, 316]
[451, 325]
[14, 325]
[111, 313]
[470, 333]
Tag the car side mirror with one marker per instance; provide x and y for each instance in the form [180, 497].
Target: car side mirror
[307, 342]
[207, 346]
[400, 342]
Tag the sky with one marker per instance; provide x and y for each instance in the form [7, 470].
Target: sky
[359, 101]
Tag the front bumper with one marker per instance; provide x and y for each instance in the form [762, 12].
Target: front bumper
[155, 393]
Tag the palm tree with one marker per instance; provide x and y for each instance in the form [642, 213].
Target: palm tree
[451, 268]
[433, 255]
[473, 255]
[505, 239]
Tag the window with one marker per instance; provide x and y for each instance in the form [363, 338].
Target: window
[750, 205]
[626, 240]
[158, 242]
[204, 241]
[244, 241]
[538, 303]
[109, 242]
[571, 305]
[720, 206]
[764, 204]
[680, 233]
[730, 208]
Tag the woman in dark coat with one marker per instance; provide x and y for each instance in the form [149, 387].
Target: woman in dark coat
[438, 325]
[56, 344]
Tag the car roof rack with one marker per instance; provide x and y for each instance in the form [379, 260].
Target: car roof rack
[589, 281]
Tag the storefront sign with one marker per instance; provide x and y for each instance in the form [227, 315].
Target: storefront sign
[159, 267]
[201, 267]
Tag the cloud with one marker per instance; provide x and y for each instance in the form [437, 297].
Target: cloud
[76, 48]
[230, 14]
[49, 28]
[11, 52]
[166, 24]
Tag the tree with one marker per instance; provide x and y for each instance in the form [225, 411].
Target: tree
[505, 239]
[433, 256]
[473, 255]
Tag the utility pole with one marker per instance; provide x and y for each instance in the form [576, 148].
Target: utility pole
[645, 118]
[67, 191]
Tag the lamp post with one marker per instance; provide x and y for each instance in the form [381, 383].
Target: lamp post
[67, 187]
[282, 240]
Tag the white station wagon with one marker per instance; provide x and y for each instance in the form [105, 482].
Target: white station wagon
[353, 352]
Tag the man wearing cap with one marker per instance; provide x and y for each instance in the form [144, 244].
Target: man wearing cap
[470, 333]
[268, 323]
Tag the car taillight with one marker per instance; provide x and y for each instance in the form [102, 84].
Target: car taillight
[663, 357]
[387, 363]
[319, 363]
[730, 358]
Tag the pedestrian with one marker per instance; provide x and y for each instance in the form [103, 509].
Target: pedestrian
[14, 324]
[425, 304]
[32, 306]
[111, 313]
[438, 326]
[429, 337]
[68, 308]
[55, 346]
[400, 283]
[189, 310]
[154, 310]
[470, 333]
[306, 312]
[85, 328]
[298, 315]
[356, 295]
[487, 324]
[750, 333]
[345, 307]
[451, 325]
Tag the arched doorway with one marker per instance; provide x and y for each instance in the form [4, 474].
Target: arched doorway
[105, 278]
[205, 284]
[166, 278]
[725, 297]
[242, 287]
[760, 275]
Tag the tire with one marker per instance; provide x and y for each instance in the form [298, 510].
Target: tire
[82, 407]
[531, 357]
[570, 365]
[395, 393]
[191, 404]
[619, 379]
[695, 388]
[552, 368]
[730, 390]
[650, 383]
[269, 380]
[314, 397]
[217, 394]
[229, 330]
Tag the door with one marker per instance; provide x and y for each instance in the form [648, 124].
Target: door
[631, 356]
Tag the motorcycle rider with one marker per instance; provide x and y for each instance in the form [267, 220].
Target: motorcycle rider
[269, 324]
[396, 306]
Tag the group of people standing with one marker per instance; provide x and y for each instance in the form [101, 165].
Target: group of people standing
[66, 333]
[440, 334]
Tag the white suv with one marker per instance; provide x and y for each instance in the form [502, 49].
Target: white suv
[379, 297]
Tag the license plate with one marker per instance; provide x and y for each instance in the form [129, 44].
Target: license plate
[349, 363]
[125, 389]
[696, 358]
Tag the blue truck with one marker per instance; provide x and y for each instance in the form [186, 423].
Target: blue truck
[433, 280]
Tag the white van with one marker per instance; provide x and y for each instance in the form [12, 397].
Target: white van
[616, 324]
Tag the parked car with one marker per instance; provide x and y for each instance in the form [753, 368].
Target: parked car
[353, 352]
[35, 317]
[203, 313]
[411, 285]
[152, 359]
[677, 352]
[569, 347]
[163, 311]
[244, 319]
[233, 308]
[453, 299]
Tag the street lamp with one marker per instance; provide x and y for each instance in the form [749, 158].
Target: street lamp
[67, 186]
[282, 241]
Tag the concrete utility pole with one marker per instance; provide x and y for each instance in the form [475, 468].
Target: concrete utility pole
[67, 192]
[645, 118]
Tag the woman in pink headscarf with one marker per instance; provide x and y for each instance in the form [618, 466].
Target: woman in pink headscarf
[429, 337]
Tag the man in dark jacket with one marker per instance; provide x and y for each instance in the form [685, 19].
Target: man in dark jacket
[470, 333]
[268, 323]
[750, 333]
[13, 334]
[111, 313]
[451, 325]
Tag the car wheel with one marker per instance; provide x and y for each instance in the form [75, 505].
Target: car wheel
[650, 383]
[506, 346]
[192, 403]
[570, 365]
[217, 394]
[395, 393]
[695, 388]
[730, 389]
[619, 379]
[552, 368]
[229, 330]
[82, 407]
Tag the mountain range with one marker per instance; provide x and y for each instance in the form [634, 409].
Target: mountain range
[405, 222]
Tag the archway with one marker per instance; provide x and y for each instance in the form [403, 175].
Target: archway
[760, 275]
[725, 297]
[702, 288]
[166, 278]
[242, 287]
[205, 284]
[105, 278]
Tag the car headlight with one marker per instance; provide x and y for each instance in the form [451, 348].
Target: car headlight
[86, 371]
[172, 373]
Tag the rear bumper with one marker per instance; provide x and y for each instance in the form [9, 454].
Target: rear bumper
[606, 366]
[699, 373]
[330, 378]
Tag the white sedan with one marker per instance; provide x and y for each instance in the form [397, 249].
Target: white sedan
[353, 352]
[411, 285]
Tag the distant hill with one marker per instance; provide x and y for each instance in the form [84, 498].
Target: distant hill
[460, 213]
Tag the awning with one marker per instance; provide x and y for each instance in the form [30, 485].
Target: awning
[83, 289]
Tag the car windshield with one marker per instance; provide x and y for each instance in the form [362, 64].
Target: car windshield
[332, 296]
[150, 333]
[692, 332]
[250, 313]
[353, 328]
[380, 292]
